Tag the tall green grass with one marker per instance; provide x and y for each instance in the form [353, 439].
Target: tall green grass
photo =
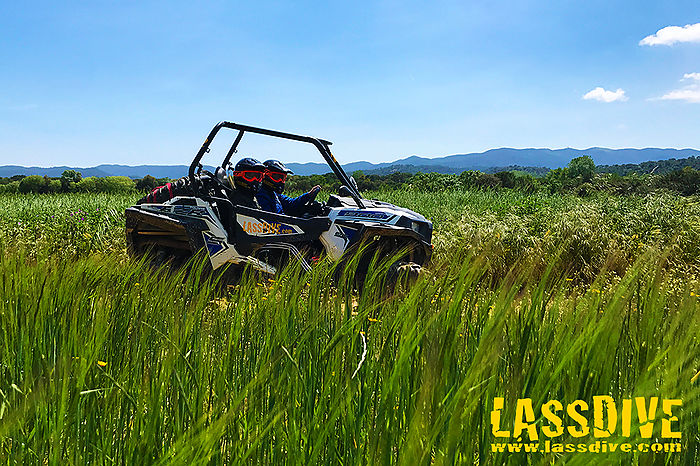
[64, 224]
[599, 233]
[104, 360]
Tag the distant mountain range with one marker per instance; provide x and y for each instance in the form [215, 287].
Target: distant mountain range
[484, 161]
[137, 171]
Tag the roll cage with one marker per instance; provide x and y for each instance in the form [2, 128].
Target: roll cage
[320, 144]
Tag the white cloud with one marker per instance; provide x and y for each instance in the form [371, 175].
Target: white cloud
[602, 95]
[689, 93]
[673, 34]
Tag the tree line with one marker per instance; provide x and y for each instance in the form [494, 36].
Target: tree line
[72, 181]
[658, 167]
[580, 176]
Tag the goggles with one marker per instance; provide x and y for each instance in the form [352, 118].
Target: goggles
[249, 175]
[276, 177]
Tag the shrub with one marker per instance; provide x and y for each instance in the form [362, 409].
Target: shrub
[87, 185]
[147, 183]
[581, 168]
[69, 178]
[54, 186]
[507, 179]
[685, 181]
[115, 184]
[488, 181]
[12, 187]
[32, 184]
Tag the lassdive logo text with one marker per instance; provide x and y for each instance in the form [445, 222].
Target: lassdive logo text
[604, 418]
[257, 227]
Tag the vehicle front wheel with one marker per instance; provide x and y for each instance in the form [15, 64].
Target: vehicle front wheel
[402, 272]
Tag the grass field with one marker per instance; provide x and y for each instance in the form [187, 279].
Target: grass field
[104, 360]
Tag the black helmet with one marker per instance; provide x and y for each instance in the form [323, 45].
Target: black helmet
[249, 163]
[275, 175]
[277, 166]
[247, 175]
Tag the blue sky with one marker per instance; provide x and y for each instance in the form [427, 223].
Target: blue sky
[140, 82]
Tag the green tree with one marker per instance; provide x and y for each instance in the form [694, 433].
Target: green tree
[115, 184]
[685, 181]
[32, 184]
[69, 178]
[54, 186]
[162, 181]
[147, 183]
[469, 178]
[507, 179]
[12, 187]
[87, 185]
[582, 168]
[488, 181]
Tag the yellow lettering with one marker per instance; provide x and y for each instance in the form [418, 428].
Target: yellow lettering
[599, 404]
[553, 419]
[626, 417]
[666, 431]
[578, 417]
[524, 409]
[496, 418]
[646, 418]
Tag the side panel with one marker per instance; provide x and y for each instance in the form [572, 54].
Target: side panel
[183, 227]
[337, 239]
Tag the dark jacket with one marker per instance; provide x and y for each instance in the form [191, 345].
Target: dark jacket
[240, 197]
[281, 204]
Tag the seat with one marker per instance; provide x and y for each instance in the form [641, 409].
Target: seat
[220, 175]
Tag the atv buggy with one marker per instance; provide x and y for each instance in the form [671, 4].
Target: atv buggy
[195, 213]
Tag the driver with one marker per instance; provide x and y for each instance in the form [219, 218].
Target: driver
[245, 179]
[270, 196]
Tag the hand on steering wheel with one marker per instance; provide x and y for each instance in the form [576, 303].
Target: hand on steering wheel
[313, 193]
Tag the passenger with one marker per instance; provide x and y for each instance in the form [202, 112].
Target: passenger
[245, 181]
[270, 196]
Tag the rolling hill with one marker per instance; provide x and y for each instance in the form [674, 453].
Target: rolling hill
[457, 163]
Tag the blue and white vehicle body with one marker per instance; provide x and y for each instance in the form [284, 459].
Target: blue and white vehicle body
[203, 217]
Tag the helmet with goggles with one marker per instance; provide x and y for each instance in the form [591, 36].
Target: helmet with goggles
[247, 175]
[275, 175]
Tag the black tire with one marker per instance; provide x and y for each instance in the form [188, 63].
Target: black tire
[402, 273]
